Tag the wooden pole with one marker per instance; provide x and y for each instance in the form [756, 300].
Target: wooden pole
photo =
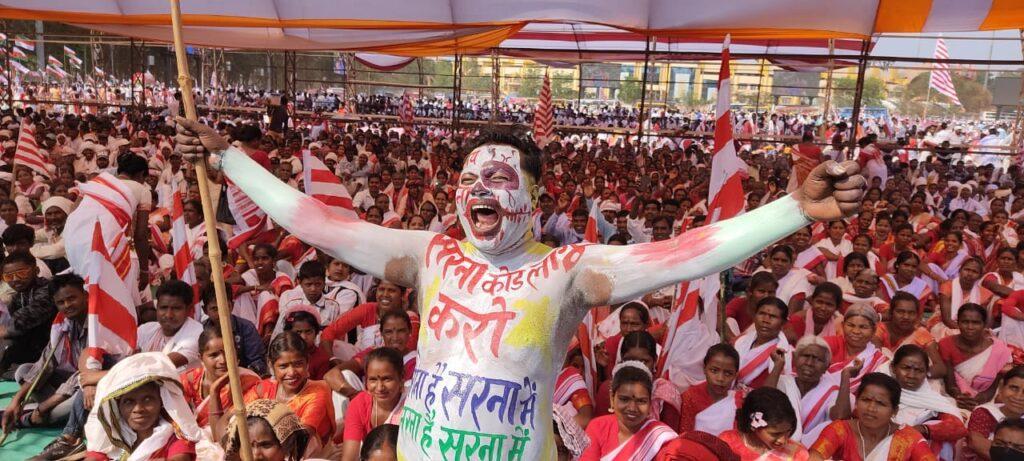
[216, 267]
[862, 68]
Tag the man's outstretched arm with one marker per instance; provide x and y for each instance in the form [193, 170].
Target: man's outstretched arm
[389, 254]
[614, 274]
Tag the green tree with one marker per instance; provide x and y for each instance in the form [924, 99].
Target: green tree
[563, 86]
[629, 91]
[846, 88]
[972, 94]
[530, 82]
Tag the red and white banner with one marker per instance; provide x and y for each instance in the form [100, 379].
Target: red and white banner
[590, 233]
[250, 220]
[28, 153]
[940, 79]
[112, 319]
[320, 183]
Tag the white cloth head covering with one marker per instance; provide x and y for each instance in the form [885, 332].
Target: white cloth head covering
[104, 431]
[60, 202]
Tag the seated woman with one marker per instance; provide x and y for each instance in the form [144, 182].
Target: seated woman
[853, 263]
[822, 318]
[380, 403]
[834, 247]
[907, 278]
[965, 288]
[865, 288]
[257, 289]
[275, 433]
[305, 321]
[140, 413]
[740, 311]
[944, 261]
[871, 434]
[855, 344]
[632, 316]
[571, 390]
[1005, 278]
[764, 426]
[756, 345]
[904, 326]
[793, 281]
[288, 357]
[865, 244]
[711, 405]
[973, 358]
[932, 414]
[817, 401]
[696, 445]
[640, 346]
[202, 383]
[984, 418]
[629, 432]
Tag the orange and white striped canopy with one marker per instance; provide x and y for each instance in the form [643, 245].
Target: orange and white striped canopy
[436, 27]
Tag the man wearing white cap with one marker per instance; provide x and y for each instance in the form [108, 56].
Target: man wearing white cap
[965, 200]
[49, 244]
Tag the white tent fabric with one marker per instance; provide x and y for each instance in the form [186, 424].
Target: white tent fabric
[433, 27]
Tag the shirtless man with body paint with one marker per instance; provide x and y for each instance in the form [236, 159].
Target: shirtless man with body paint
[499, 309]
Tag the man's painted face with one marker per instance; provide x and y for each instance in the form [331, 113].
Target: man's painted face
[493, 199]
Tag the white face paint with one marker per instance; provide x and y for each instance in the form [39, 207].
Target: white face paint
[493, 199]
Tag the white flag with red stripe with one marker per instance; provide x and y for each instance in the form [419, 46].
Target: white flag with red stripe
[543, 119]
[184, 266]
[585, 333]
[112, 320]
[688, 337]
[940, 79]
[28, 153]
[323, 185]
[250, 220]
[405, 111]
[590, 233]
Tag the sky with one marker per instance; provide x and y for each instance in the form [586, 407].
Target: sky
[959, 49]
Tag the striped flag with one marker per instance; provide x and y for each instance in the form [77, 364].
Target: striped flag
[543, 120]
[250, 221]
[18, 54]
[590, 233]
[57, 71]
[688, 338]
[320, 183]
[940, 79]
[184, 267]
[20, 67]
[405, 111]
[68, 50]
[112, 319]
[24, 44]
[74, 61]
[27, 153]
[585, 333]
[54, 61]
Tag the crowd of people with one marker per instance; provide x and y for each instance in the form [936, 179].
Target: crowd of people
[895, 334]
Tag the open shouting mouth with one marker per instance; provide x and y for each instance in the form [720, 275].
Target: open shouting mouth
[484, 217]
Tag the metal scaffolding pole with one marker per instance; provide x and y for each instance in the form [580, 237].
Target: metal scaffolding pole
[643, 91]
[7, 66]
[456, 90]
[1018, 123]
[131, 70]
[862, 67]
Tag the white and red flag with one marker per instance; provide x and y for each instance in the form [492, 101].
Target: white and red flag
[688, 338]
[25, 44]
[585, 334]
[590, 233]
[181, 244]
[27, 153]
[405, 111]
[320, 183]
[250, 220]
[112, 319]
[543, 119]
[54, 61]
[940, 78]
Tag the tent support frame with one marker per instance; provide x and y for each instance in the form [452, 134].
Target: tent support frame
[862, 67]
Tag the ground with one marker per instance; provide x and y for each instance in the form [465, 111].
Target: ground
[23, 443]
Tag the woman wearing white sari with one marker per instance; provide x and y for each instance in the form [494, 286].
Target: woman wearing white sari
[814, 395]
[932, 414]
[794, 282]
[973, 357]
[944, 264]
[859, 324]
[835, 247]
[760, 341]
[983, 421]
[140, 413]
[965, 288]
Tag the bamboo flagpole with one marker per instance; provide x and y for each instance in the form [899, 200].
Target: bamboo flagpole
[213, 241]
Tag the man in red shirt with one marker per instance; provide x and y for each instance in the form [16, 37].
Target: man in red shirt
[250, 136]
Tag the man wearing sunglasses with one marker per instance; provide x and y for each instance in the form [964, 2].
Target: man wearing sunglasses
[31, 309]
